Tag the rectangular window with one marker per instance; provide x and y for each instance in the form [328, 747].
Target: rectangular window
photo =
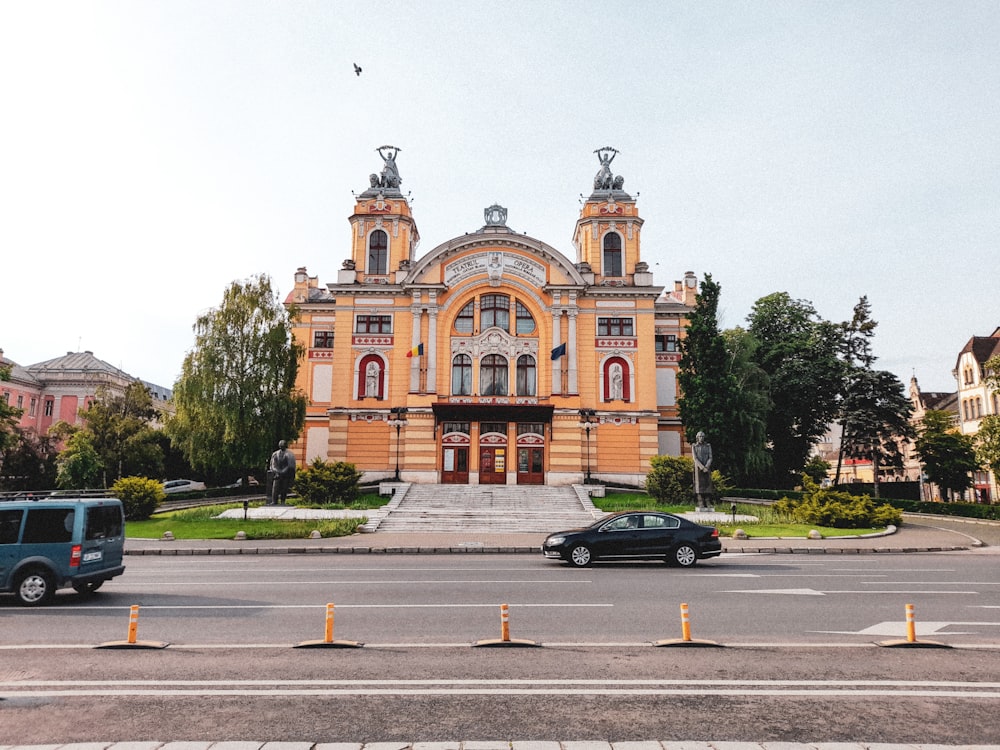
[48, 525]
[614, 327]
[485, 427]
[373, 324]
[6, 397]
[31, 408]
[10, 526]
[323, 339]
[20, 401]
[103, 522]
[50, 407]
[448, 427]
[666, 342]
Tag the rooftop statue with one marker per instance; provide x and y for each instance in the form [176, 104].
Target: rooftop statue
[389, 178]
[605, 180]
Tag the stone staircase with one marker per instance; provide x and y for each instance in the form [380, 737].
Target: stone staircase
[493, 509]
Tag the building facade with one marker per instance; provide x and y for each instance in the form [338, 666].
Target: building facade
[975, 400]
[494, 358]
[58, 389]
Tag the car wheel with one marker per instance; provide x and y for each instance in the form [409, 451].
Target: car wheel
[684, 556]
[35, 587]
[580, 556]
[85, 589]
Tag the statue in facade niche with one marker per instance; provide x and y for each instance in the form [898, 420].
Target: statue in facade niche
[605, 180]
[389, 178]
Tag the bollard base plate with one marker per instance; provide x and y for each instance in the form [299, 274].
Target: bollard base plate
[329, 644]
[690, 642]
[133, 644]
[911, 644]
[502, 642]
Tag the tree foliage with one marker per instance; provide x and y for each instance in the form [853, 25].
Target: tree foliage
[121, 431]
[79, 465]
[799, 354]
[948, 456]
[987, 443]
[236, 396]
[9, 416]
[837, 509]
[709, 400]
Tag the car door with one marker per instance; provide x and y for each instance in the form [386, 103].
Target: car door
[103, 538]
[659, 532]
[619, 537]
[10, 532]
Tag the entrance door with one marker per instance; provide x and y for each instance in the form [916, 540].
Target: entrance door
[529, 466]
[455, 469]
[492, 465]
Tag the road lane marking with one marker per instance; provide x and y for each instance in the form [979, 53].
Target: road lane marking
[321, 606]
[814, 592]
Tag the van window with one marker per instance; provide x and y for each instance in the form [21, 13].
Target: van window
[102, 522]
[10, 525]
[48, 525]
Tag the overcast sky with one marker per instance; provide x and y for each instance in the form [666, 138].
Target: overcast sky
[153, 152]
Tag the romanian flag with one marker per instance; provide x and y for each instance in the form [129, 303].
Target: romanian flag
[417, 351]
[559, 351]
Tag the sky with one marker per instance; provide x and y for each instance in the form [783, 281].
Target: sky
[153, 152]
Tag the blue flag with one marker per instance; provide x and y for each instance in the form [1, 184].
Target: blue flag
[559, 351]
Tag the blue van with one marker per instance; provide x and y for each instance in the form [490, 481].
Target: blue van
[49, 544]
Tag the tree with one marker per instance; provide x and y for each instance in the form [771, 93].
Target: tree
[122, 433]
[753, 402]
[876, 420]
[9, 416]
[856, 349]
[29, 462]
[78, 465]
[987, 441]
[236, 396]
[948, 456]
[708, 401]
[799, 354]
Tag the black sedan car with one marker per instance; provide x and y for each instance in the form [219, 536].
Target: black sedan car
[636, 535]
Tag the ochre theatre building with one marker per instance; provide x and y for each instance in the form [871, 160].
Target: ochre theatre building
[494, 358]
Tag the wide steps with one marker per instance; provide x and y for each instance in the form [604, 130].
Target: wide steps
[493, 509]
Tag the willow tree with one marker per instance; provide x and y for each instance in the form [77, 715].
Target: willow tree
[236, 396]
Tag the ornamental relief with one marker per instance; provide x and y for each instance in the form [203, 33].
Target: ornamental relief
[494, 341]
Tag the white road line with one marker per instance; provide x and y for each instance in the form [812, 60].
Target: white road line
[354, 582]
[145, 607]
[532, 683]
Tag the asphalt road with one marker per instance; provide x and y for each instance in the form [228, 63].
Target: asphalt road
[796, 659]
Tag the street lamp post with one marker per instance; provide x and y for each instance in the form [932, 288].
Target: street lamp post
[397, 420]
[587, 423]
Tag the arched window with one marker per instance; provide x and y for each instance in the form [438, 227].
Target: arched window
[494, 310]
[612, 263]
[493, 375]
[616, 380]
[371, 378]
[525, 322]
[378, 252]
[525, 375]
[461, 375]
[466, 320]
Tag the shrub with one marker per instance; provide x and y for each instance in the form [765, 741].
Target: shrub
[821, 506]
[140, 496]
[324, 483]
[670, 481]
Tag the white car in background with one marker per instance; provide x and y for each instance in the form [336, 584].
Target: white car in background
[182, 485]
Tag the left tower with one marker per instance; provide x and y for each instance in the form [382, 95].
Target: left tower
[353, 330]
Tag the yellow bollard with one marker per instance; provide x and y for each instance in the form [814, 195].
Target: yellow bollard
[504, 623]
[685, 623]
[133, 623]
[328, 641]
[911, 625]
[133, 630]
[685, 639]
[911, 635]
[329, 623]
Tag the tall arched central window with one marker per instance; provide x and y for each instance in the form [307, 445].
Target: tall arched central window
[461, 375]
[493, 375]
[612, 263]
[494, 310]
[378, 252]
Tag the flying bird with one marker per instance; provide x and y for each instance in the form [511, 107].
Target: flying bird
[357, 69]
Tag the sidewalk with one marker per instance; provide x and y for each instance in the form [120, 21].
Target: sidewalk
[908, 538]
[490, 745]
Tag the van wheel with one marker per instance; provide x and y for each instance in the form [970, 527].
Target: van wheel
[35, 587]
[85, 589]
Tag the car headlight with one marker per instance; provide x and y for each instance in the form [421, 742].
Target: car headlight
[554, 540]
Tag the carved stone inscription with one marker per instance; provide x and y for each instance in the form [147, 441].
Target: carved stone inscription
[494, 263]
